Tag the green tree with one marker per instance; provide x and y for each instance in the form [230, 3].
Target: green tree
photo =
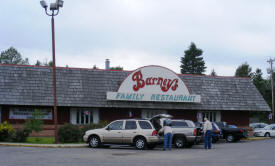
[36, 123]
[263, 86]
[50, 64]
[244, 70]
[192, 62]
[116, 68]
[12, 56]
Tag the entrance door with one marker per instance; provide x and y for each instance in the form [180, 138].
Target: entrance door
[81, 116]
[212, 116]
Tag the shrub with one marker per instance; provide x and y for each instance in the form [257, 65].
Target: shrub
[20, 135]
[85, 128]
[68, 133]
[6, 131]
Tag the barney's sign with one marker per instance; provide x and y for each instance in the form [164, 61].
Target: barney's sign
[153, 83]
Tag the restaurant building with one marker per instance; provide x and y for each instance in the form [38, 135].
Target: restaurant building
[86, 96]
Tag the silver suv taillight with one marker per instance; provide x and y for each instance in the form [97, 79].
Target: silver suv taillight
[154, 133]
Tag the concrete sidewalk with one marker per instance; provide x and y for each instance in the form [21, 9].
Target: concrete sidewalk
[44, 145]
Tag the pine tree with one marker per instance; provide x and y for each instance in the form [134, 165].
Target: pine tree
[38, 63]
[192, 62]
[213, 73]
[259, 82]
[95, 67]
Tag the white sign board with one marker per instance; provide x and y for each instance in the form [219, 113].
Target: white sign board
[153, 83]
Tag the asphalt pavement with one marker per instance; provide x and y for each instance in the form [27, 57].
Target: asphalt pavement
[250, 153]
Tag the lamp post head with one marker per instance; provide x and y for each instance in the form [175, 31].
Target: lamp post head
[58, 4]
[43, 4]
[54, 7]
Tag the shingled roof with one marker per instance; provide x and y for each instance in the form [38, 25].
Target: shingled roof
[32, 86]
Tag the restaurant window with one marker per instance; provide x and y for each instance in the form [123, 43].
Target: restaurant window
[27, 113]
[81, 116]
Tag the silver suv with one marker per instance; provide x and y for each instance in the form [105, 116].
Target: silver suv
[137, 132]
[184, 133]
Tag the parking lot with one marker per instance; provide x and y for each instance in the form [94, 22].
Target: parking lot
[252, 153]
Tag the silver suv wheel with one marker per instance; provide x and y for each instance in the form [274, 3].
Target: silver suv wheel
[179, 142]
[94, 142]
[140, 143]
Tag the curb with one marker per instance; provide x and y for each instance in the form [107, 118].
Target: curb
[46, 145]
[86, 145]
[257, 138]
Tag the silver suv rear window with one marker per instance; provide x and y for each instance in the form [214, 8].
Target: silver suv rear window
[144, 125]
[176, 124]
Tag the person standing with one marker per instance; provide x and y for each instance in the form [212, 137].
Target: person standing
[167, 132]
[207, 129]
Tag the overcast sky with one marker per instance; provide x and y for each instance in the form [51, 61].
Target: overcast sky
[135, 33]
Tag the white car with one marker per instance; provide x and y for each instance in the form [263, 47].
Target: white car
[268, 131]
[257, 126]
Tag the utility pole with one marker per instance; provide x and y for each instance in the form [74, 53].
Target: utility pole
[272, 92]
[54, 7]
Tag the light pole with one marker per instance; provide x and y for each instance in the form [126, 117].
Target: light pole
[272, 84]
[54, 7]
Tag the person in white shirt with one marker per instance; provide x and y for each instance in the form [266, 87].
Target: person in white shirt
[207, 129]
[167, 132]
